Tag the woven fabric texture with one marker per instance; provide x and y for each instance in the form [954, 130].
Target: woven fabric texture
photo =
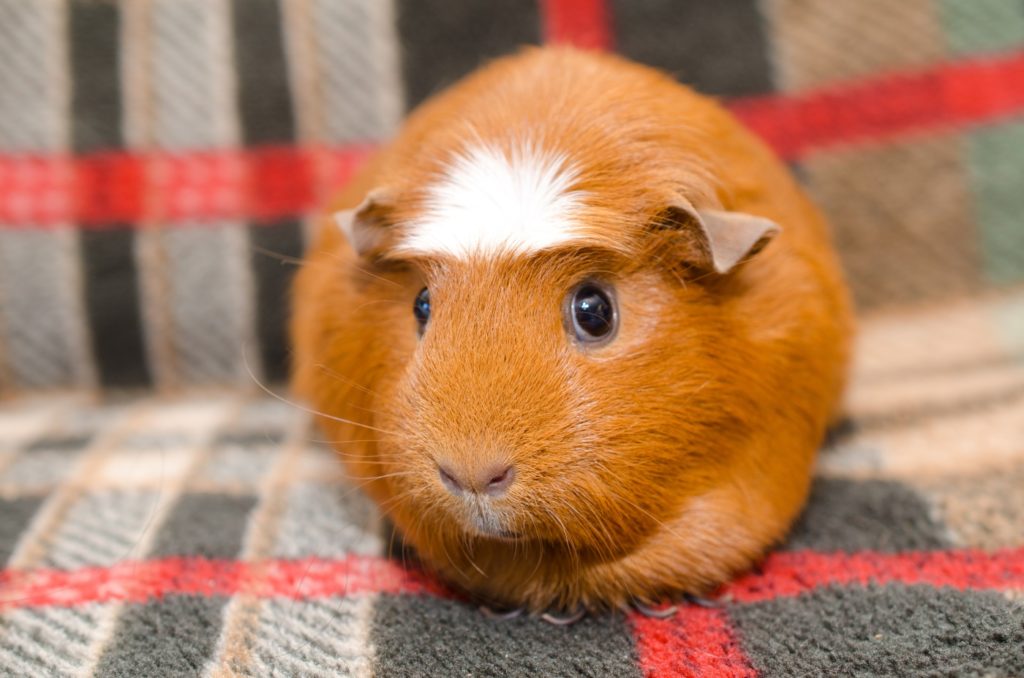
[214, 536]
[161, 164]
[161, 160]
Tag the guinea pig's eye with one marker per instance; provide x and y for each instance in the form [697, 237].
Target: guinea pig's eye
[421, 308]
[591, 313]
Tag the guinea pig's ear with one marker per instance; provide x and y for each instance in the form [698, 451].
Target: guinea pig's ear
[364, 225]
[724, 239]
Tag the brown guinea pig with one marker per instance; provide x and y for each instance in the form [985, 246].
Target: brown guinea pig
[577, 332]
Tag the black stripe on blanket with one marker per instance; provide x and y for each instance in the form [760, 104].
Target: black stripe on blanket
[865, 515]
[15, 515]
[443, 41]
[170, 636]
[893, 630]
[418, 636]
[265, 108]
[717, 47]
[205, 524]
[110, 273]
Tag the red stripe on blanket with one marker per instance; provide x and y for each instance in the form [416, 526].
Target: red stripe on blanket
[889, 107]
[581, 23]
[138, 581]
[267, 183]
[260, 184]
[695, 642]
[790, 574]
[783, 574]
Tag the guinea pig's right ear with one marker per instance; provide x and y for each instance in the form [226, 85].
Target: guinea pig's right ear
[722, 239]
[364, 224]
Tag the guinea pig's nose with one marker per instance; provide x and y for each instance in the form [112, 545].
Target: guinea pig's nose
[490, 479]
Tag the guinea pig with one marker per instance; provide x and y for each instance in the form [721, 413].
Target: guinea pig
[577, 332]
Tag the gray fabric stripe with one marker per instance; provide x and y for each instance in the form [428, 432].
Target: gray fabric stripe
[210, 300]
[328, 637]
[73, 628]
[357, 68]
[330, 521]
[190, 107]
[47, 642]
[35, 631]
[101, 529]
[198, 285]
[42, 334]
[27, 658]
[38, 308]
[31, 76]
[40, 469]
[239, 461]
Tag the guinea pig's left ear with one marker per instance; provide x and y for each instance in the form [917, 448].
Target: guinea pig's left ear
[727, 238]
[363, 225]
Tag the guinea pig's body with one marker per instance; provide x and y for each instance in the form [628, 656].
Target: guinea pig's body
[579, 335]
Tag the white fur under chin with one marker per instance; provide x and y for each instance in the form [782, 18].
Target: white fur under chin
[493, 202]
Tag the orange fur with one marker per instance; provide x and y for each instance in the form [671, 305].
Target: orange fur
[663, 462]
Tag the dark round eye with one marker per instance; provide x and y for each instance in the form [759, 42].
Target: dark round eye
[421, 308]
[592, 313]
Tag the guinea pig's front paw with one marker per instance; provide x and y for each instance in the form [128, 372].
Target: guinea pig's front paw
[549, 617]
[568, 620]
[503, 615]
[656, 612]
[694, 599]
[669, 611]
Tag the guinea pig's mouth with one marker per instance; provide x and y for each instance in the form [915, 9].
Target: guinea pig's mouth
[503, 535]
[480, 520]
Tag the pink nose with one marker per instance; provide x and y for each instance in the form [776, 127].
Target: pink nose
[492, 480]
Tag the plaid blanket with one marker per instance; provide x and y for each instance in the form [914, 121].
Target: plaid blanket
[216, 536]
[160, 165]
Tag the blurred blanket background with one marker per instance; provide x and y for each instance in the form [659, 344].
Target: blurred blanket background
[161, 162]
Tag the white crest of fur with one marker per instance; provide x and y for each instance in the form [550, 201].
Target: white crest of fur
[490, 201]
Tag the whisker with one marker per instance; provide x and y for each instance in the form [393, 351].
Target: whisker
[368, 479]
[347, 441]
[283, 258]
[340, 377]
[299, 261]
[268, 391]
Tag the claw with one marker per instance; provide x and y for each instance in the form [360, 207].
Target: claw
[702, 602]
[564, 621]
[655, 613]
[501, 616]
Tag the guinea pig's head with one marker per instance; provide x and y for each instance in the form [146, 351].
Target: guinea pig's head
[534, 355]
